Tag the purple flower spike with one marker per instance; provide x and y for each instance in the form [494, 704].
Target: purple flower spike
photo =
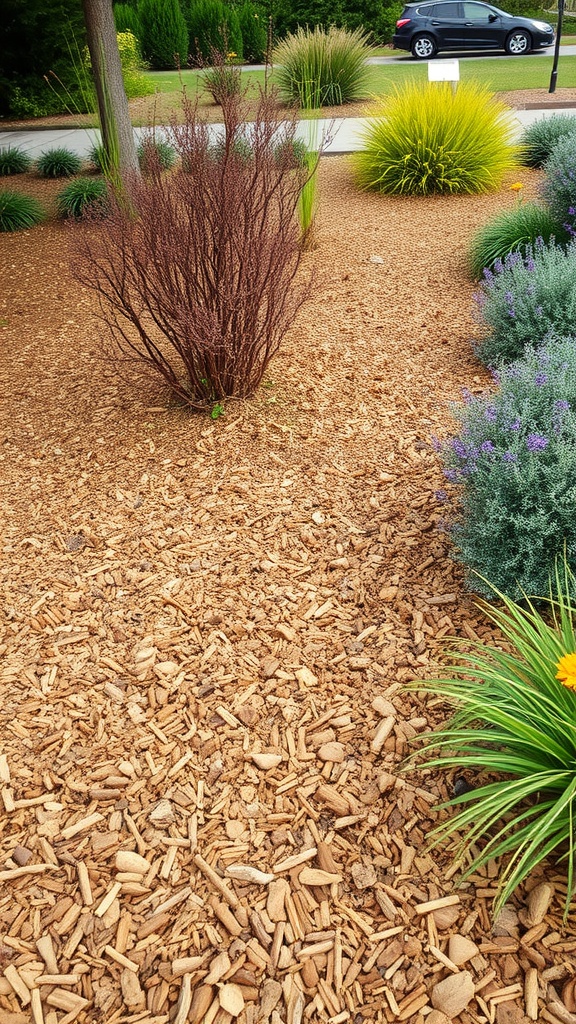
[536, 442]
[487, 447]
[540, 379]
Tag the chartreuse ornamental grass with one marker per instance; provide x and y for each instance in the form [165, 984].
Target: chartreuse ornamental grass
[514, 730]
[430, 139]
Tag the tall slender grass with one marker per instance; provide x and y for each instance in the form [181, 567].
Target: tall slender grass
[326, 66]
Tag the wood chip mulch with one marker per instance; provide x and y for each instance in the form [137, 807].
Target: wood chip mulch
[207, 632]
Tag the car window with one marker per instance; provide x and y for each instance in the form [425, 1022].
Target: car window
[425, 11]
[476, 12]
[447, 10]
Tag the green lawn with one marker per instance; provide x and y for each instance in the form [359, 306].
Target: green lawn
[497, 74]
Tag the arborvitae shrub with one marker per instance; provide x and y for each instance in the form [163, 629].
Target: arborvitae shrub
[254, 32]
[127, 19]
[214, 27]
[164, 34]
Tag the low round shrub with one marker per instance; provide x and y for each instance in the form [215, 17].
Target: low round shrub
[512, 231]
[156, 155]
[526, 299]
[19, 211]
[80, 196]
[540, 138]
[58, 163]
[431, 140]
[318, 68]
[559, 187]
[97, 157]
[514, 466]
[14, 161]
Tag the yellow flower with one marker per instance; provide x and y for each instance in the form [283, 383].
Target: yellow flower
[516, 187]
[567, 670]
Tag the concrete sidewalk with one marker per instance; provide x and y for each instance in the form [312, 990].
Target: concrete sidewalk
[343, 134]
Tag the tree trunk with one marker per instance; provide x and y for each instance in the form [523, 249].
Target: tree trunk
[117, 131]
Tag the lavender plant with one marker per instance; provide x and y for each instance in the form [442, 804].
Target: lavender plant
[527, 299]
[559, 187]
[513, 464]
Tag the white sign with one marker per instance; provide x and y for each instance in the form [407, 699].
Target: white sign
[443, 70]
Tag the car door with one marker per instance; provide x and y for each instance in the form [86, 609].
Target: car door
[447, 24]
[482, 26]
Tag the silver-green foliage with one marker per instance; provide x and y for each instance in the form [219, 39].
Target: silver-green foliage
[512, 231]
[513, 730]
[526, 298]
[559, 187]
[513, 466]
[540, 138]
[322, 68]
[431, 140]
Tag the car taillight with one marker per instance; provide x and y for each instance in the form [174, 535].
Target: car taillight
[402, 22]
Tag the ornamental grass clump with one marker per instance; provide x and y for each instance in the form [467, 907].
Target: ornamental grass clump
[512, 231]
[155, 154]
[19, 211]
[199, 278]
[526, 299]
[514, 731]
[429, 139]
[322, 68]
[82, 197]
[513, 467]
[58, 163]
[14, 161]
[540, 138]
[559, 187]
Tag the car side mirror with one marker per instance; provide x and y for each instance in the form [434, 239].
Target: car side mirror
[492, 17]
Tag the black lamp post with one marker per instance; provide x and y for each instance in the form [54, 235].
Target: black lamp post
[554, 74]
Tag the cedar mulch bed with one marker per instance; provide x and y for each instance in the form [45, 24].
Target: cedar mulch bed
[207, 632]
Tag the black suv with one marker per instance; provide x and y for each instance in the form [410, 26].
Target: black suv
[426, 28]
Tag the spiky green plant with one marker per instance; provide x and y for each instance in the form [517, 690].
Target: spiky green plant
[14, 161]
[540, 138]
[512, 231]
[430, 139]
[80, 196]
[97, 156]
[515, 718]
[156, 154]
[19, 211]
[58, 163]
[329, 66]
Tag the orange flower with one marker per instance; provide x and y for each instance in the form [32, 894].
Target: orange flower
[567, 670]
[517, 186]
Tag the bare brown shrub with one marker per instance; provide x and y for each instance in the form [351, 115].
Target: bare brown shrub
[200, 280]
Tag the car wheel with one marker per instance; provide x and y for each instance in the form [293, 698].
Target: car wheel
[423, 47]
[518, 42]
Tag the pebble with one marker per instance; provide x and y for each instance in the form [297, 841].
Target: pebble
[332, 752]
[461, 949]
[452, 995]
[538, 903]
